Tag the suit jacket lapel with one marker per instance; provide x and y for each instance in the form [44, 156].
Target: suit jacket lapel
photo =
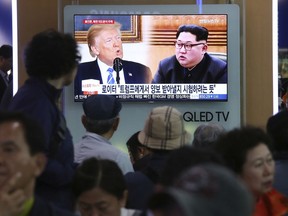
[96, 71]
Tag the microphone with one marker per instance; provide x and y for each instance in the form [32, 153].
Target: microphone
[117, 66]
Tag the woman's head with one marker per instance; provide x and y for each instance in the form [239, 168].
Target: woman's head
[99, 186]
[247, 151]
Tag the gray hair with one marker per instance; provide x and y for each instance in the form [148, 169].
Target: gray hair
[206, 135]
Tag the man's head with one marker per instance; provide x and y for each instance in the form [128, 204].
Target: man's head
[22, 146]
[6, 58]
[104, 41]
[51, 55]
[164, 129]
[206, 135]
[101, 113]
[191, 45]
[277, 128]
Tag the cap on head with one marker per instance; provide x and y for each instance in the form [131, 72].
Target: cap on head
[101, 107]
[164, 129]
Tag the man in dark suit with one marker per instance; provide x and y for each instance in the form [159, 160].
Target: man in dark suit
[22, 146]
[191, 63]
[5, 66]
[104, 42]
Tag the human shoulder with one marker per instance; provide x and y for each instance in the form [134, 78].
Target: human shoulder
[40, 207]
[133, 64]
[95, 143]
[168, 59]
[170, 63]
[215, 60]
[87, 64]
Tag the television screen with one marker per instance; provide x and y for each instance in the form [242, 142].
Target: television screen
[150, 62]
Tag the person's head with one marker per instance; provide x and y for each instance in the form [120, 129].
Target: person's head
[164, 129]
[22, 146]
[184, 158]
[135, 148]
[51, 55]
[99, 187]
[6, 54]
[204, 190]
[247, 151]
[277, 128]
[191, 45]
[206, 135]
[101, 113]
[104, 41]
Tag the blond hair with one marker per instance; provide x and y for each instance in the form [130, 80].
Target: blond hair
[95, 30]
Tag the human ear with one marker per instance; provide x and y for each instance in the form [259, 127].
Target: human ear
[84, 120]
[205, 48]
[95, 50]
[116, 123]
[123, 200]
[40, 163]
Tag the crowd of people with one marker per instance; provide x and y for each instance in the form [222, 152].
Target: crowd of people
[168, 171]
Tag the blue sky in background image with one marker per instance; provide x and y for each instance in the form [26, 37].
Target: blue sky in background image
[5, 22]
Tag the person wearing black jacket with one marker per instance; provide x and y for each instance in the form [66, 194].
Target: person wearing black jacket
[51, 59]
[191, 62]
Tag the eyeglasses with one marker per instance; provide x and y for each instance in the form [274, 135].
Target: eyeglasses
[187, 47]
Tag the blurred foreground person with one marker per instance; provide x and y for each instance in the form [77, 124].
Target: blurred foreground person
[100, 189]
[203, 190]
[22, 146]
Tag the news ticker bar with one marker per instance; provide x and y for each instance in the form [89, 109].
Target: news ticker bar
[157, 91]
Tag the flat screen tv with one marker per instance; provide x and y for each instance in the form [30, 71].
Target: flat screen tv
[148, 39]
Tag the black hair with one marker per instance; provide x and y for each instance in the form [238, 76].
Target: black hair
[6, 51]
[277, 128]
[200, 32]
[51, 54]
[184, 158]
[33, 132]
[99, 126]
[133, 145]
[235, 144]
[166, 203]
[101, 173]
